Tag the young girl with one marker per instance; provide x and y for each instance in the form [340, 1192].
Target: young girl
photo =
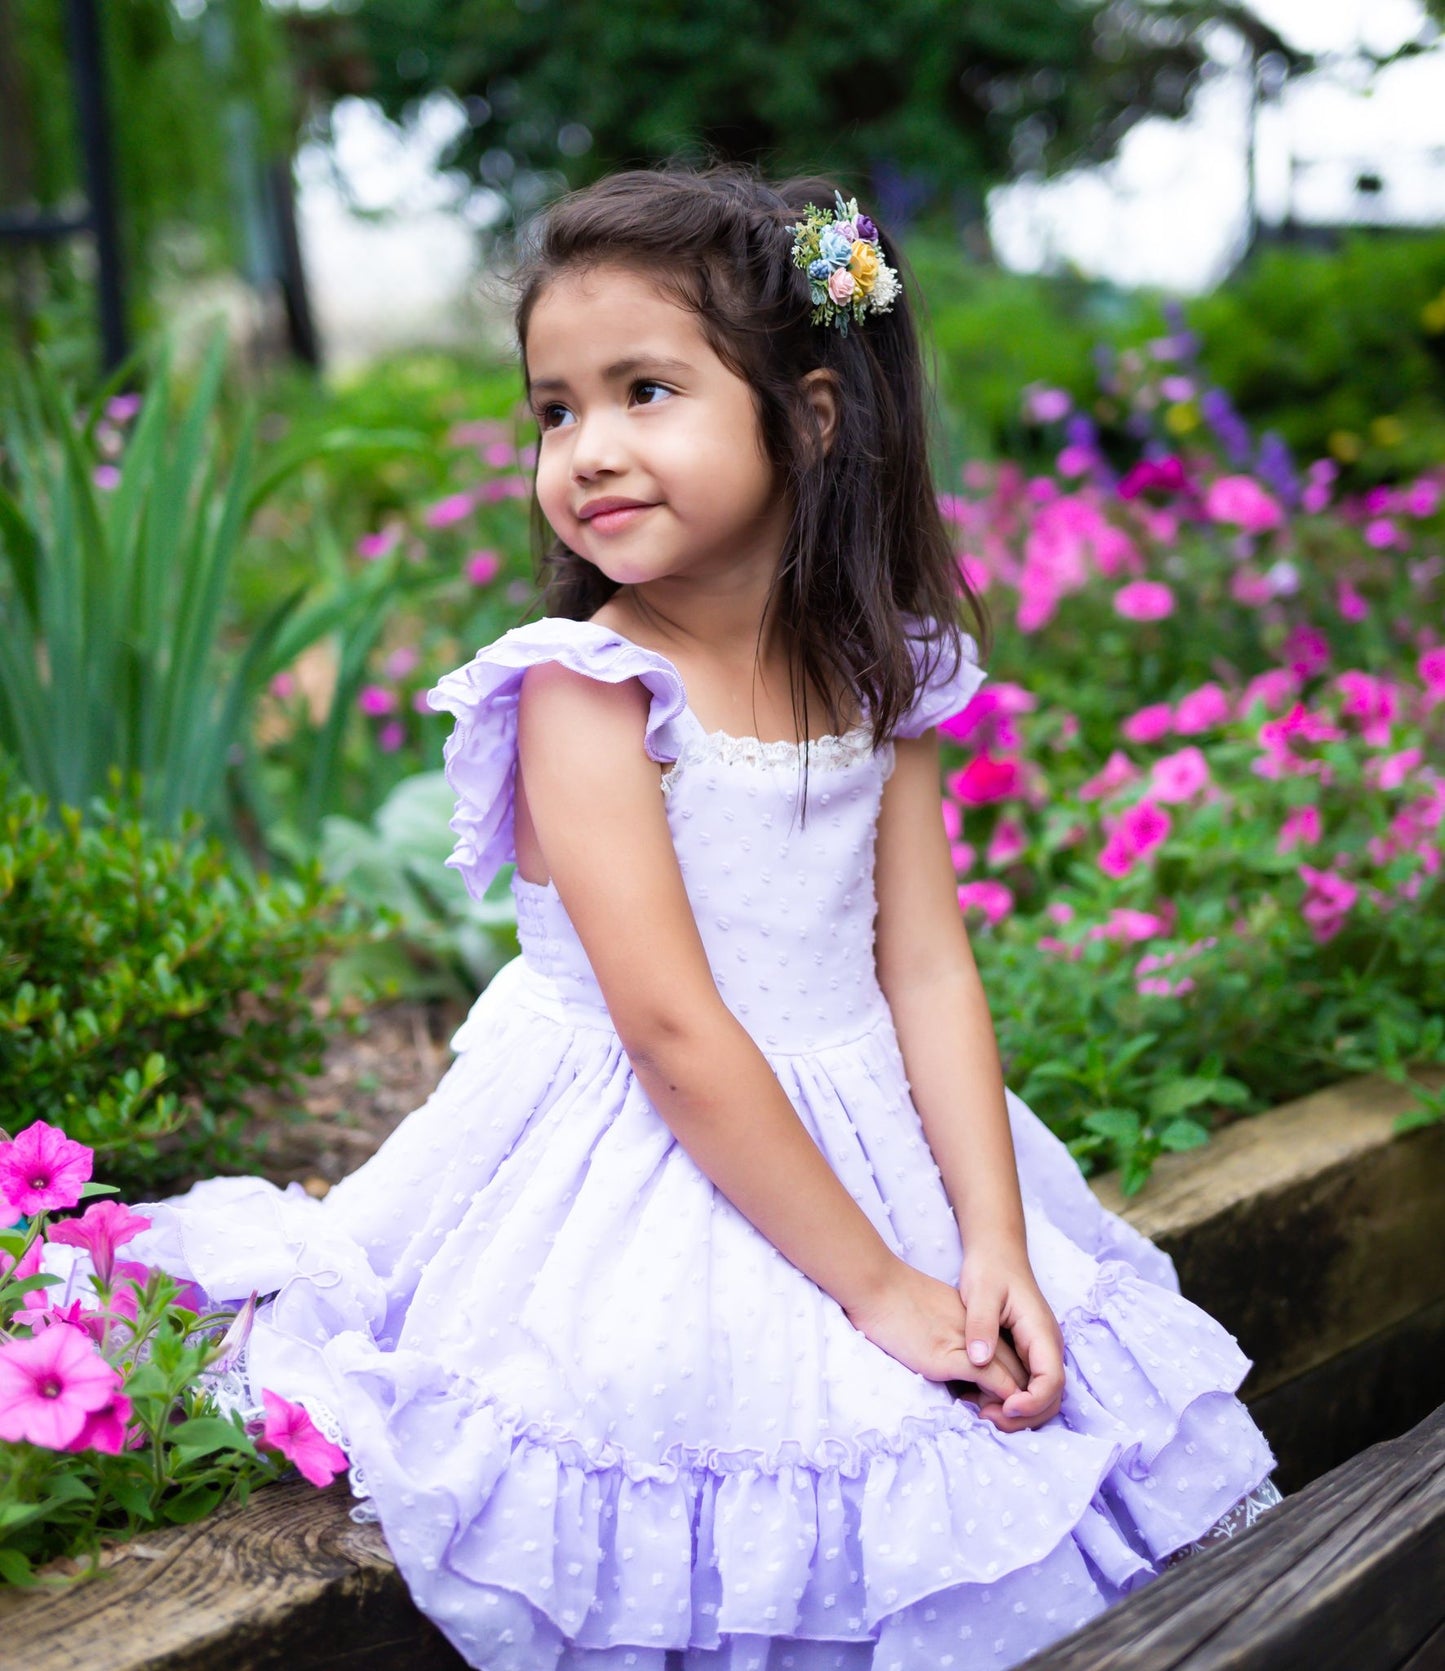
[721, 1308]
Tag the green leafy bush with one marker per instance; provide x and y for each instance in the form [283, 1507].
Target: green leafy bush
[147, 991]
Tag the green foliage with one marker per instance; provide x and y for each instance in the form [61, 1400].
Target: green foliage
[926, 99]
[191, 95]
[147, 991]
[445, 939]
[1340, 351]
[114, 598]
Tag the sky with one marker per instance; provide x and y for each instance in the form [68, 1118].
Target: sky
[1169, 211]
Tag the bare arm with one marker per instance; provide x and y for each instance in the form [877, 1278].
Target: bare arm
[599, 819]
[928, 974]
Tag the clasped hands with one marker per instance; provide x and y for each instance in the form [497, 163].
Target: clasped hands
[927, 1325]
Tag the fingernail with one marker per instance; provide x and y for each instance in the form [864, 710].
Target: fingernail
[978, 1351]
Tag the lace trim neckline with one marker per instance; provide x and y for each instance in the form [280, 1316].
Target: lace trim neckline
[827, 753]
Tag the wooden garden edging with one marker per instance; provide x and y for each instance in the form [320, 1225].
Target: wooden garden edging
[1347, 1575]
[1312, 1232]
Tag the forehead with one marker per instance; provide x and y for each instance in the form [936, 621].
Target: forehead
[594, 316]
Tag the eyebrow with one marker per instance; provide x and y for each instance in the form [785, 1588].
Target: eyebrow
[618, 369]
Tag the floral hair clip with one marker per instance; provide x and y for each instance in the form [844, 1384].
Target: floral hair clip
[847, 275]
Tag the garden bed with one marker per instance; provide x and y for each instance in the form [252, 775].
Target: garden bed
[1311, 1231]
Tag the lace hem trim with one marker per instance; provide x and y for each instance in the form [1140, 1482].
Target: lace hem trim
[230, 1389]
[1240, 1518]
[721, 748]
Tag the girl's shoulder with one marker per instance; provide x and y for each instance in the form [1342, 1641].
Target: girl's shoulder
[479, 757]
[946, 659]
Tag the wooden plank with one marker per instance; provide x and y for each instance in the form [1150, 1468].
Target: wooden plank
[1347, 1575]
[289, 1581]
[1306, 1230]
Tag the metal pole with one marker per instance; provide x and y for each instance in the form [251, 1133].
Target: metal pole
[93, 122]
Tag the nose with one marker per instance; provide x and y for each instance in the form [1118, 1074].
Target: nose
[598, 448]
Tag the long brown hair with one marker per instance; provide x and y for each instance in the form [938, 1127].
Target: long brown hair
[867, 546]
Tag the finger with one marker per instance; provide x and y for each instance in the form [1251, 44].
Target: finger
[981, 1326]
[1045, 1384]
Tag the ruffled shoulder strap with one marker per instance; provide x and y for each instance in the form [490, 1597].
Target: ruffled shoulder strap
[944, 689]
[480, 755]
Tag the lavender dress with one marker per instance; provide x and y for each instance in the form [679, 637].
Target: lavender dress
[604, 1423]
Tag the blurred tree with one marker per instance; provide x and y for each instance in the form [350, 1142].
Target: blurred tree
[922, 102]
[195, 88]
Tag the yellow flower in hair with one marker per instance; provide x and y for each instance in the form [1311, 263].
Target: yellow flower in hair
[863, 264]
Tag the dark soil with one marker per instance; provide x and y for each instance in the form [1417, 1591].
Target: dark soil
[370, 1081]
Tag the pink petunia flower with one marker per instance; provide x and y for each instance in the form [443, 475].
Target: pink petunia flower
[370, 547]
[952, 820]
[1350, 604]
[289, 1430]
[1149, 724]
[986, 779]
[1431, 668]
[1135, 834]
[1272, 690]
[1144, 600]
[1242, 503]
[1179, 776]
[100, 1230]
[50, 1383]
[1155, 475]
[1249, 587]
[1125, 923]
[1389, 771]
[1370, 700]
[42, 1170]
[106, 1429]
[992, 898]
[482, 567]
[445, 513]
[1307, 652]
[1201, 710]
[1328, 901]
[376, 699]
[1301, 826]
[1116, 771]
[1009, 839]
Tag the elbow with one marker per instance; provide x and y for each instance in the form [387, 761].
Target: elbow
[670, 1041]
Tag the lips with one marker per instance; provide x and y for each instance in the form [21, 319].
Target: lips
[610, 515]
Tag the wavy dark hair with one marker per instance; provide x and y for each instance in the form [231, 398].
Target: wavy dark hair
[867, 546]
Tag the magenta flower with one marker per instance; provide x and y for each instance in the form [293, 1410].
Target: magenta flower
[105, 1429]
[1155, 475]
[1116, 771]
[100, 1230]
[1048, 406]
[1179, 776]
[1242, 503]
[283, 686]
[482, 567]
[992, 898]
[1125, 923]
[963, 856]
[1350, 603]
[1201, 710]
[289, 1430]
[1391, 770]
[376, 699]
[1370, 700]
[986, 779]
[1307, 651]
[952, 820]
[1274, 689]
[402, 661]
[50, 1383]
[120, 409]
[1249, 587]
[391, 736]
[42, 1170]
[1149, 724]
[456, 507]
[1135, 834]
[1381, 533]
[106, 477]
[1008, 841]
[1144, 600]
[1302, 825]
[1329, 898]
[1431, 668]
[1422, 498]
[372, 546]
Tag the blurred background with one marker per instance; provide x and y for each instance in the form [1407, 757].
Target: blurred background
[264, 476]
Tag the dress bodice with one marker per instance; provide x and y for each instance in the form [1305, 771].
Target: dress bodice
[781, 884]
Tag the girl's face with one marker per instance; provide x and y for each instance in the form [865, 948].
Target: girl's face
[651, 464]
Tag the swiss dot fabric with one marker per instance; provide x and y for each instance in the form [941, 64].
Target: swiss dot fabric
[605, 1424]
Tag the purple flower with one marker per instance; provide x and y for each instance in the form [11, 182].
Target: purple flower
[866, 230]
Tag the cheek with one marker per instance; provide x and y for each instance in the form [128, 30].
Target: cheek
[552, 482]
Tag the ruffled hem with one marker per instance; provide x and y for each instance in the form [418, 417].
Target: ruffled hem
[479, 757]
[615, 1551]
